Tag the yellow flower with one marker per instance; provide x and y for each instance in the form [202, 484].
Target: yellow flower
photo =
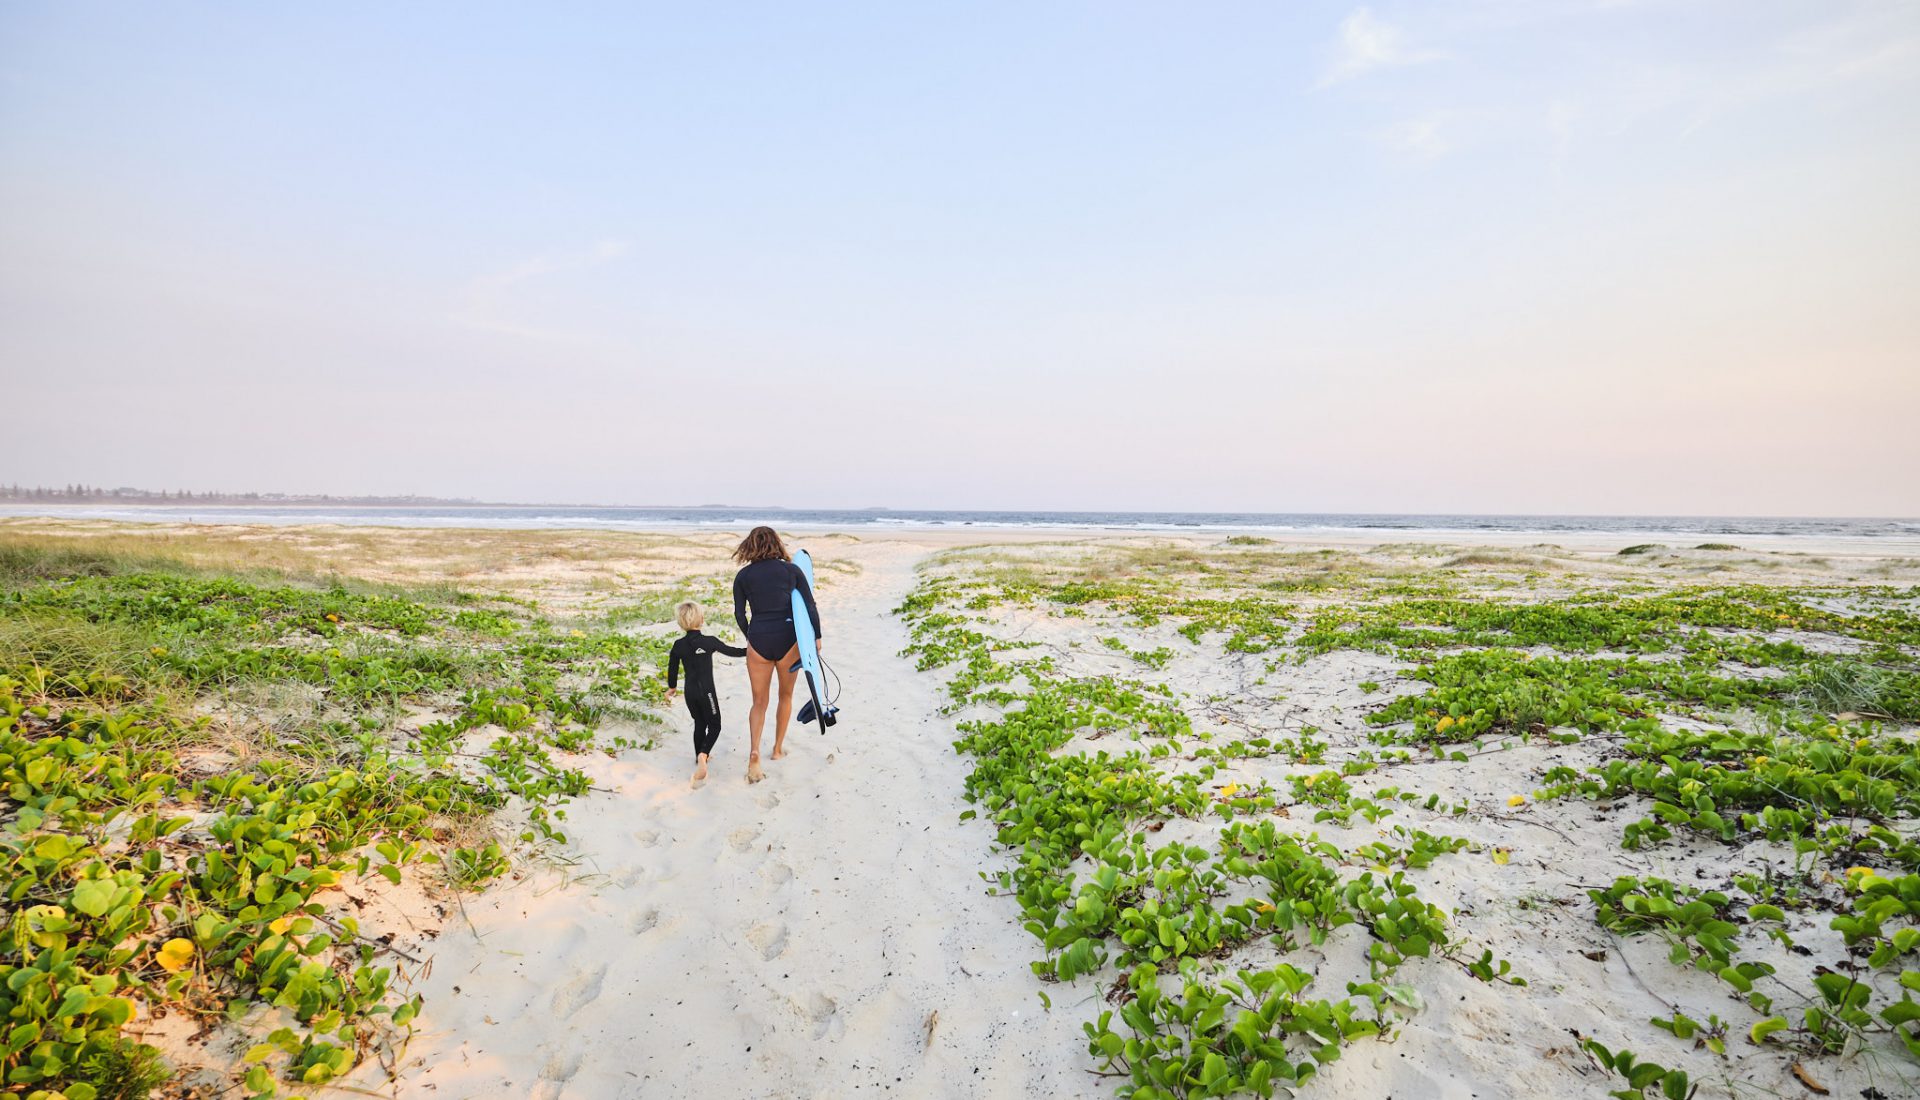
[1758, 760]
[1517, 800]
[1852, 871]
[174, 954]
[1226, 792]
[1264, 907]
[1443, 724]
[332, 618]
[1309, 780]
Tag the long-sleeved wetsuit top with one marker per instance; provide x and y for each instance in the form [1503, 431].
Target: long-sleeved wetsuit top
[695, 650]
[766, 587]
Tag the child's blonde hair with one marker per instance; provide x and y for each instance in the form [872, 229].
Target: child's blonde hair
[689, 615]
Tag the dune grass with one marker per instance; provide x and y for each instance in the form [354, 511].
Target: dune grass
[199, 740]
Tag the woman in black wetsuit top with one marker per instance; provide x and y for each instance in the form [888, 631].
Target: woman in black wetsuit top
[765, 585]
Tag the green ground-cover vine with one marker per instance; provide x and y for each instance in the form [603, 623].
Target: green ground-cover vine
[149, 869]
[1733, 714]
[1098, 892]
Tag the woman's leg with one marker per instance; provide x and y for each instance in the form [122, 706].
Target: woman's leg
[787, 677]
[760, 675]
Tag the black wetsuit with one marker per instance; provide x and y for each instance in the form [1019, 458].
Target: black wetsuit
[767, 587]
[695, 650]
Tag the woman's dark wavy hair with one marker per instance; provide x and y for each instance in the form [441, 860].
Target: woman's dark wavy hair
[761, 544]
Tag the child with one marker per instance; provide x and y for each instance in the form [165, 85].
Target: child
[696, 650]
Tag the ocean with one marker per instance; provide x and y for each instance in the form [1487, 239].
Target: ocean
[855, 520]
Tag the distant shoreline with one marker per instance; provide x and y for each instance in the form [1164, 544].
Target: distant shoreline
[179, 504]
[1813, 535]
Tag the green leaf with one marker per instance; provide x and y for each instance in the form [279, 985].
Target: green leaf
[93, 897]
[114, 1012]
[22, 1037]
[1646, 1073]
[54, 846]
[1759, 1032]
[1214, 1068]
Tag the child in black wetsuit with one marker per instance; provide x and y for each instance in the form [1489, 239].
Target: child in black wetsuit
[695, 650]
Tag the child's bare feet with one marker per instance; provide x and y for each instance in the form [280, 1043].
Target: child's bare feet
[754, 774]
[700, 770]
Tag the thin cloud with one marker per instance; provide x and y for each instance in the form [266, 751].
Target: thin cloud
[1427, 137]
[1368, 43]
[487, 297]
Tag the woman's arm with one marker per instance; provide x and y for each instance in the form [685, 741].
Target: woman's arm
[806, 593]
[740, 600]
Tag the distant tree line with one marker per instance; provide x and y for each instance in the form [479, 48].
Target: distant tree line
[94, 494]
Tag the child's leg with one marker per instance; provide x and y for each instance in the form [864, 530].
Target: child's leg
[703, 739]
[697, 709]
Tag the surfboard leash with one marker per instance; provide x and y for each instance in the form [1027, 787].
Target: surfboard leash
[828, 669]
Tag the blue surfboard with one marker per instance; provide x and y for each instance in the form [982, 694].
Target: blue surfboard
[807, 642]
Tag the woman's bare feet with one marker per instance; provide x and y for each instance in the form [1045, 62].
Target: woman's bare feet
[754, 774]
[779, 750]
[700, 770]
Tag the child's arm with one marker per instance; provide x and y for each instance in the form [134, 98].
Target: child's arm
[673, 668]
[729, 650]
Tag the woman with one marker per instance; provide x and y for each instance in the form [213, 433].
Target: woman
[766, 583]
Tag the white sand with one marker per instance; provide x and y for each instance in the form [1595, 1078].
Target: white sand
[788, 939]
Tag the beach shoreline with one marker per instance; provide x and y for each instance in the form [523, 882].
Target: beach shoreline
[1889, 535]
[946, 535]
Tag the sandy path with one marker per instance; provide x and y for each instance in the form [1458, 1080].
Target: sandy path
[789, 939]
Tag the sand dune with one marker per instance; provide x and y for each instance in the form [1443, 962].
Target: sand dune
[791, 939]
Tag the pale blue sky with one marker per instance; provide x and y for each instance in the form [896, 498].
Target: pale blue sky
[1484, 256]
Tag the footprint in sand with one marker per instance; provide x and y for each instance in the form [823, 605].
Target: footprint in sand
[769, 939]
[627, 876]
[580, 991]
[648, 838]
[742, 838]
[769, 799]
[777, 874]
[559, 1069]
[824, 1013]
